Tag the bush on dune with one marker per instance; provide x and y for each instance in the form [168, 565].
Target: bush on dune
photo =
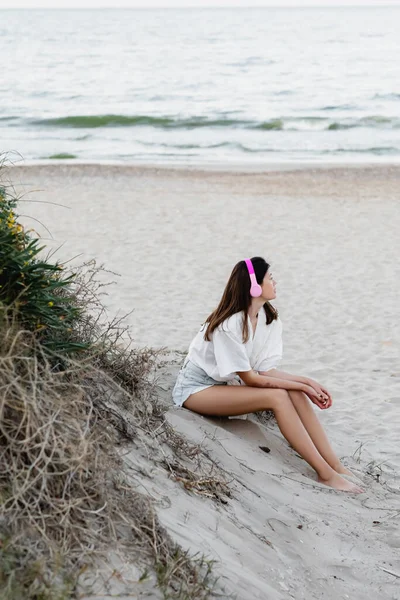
[36, 289]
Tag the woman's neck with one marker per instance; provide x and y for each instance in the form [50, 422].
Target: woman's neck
[254, 309]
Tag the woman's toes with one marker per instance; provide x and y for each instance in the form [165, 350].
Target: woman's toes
[342, 484]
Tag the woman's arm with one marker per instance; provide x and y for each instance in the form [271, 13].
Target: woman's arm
[252, 378]
[255, 379]
[305, 381]
[286, 376]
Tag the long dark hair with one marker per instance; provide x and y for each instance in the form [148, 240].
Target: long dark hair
[236, 297]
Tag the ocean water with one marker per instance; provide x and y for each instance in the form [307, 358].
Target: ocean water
[201, 85]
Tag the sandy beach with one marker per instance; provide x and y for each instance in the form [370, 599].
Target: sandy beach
[332, 238]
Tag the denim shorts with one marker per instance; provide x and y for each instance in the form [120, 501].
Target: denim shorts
[191, 379]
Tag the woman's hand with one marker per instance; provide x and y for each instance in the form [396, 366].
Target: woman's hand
[318, 395]
[320, 389]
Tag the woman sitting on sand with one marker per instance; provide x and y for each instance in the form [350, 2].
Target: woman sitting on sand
[243, 338]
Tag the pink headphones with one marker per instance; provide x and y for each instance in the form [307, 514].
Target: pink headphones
[255, 290]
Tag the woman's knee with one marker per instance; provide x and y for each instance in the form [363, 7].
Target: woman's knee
[299, 398]
[280, 400]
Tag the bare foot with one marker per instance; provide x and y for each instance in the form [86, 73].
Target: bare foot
[341, 484]
[343, 471]
[348, 474]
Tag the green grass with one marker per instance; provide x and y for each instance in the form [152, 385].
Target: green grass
[34, 289]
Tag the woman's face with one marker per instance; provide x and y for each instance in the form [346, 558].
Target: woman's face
[268, 286]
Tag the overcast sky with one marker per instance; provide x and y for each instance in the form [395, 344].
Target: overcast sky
[186, 3]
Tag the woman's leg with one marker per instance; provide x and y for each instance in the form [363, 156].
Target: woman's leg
[232, 400]
[315, 430]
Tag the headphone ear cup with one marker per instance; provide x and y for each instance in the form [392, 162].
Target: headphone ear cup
[255, 290]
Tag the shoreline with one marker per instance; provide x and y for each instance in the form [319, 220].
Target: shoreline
[213, 167]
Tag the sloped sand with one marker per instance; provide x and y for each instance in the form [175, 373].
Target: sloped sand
[332, 238]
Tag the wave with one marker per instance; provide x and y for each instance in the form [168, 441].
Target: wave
[337, 126]
[339, 107]
[276, 124]
[389, 96]
[93, 121]
[378, 150]
[229, 145]
[246, 149]
[375, 122]
[9, 118]
[61, 156]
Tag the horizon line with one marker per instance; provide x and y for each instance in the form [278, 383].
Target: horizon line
[324, 6]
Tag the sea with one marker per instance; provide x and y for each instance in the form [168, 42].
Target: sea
[193, 86]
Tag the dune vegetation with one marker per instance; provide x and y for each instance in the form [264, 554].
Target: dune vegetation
[73, 391]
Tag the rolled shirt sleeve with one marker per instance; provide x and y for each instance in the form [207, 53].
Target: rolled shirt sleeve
[230, 353]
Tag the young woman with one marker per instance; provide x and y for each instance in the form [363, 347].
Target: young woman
[242, 339]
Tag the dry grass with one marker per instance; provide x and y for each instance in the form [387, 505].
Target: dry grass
[65, 498]
[64, 495]
[211, 487]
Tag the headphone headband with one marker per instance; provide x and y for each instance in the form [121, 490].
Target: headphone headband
[249, 265]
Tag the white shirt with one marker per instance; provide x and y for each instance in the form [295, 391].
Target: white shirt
[226, 354]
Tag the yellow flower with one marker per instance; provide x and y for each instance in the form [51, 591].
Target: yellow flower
[51, 303]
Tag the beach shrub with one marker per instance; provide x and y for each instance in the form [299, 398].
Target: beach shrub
[34, 289]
